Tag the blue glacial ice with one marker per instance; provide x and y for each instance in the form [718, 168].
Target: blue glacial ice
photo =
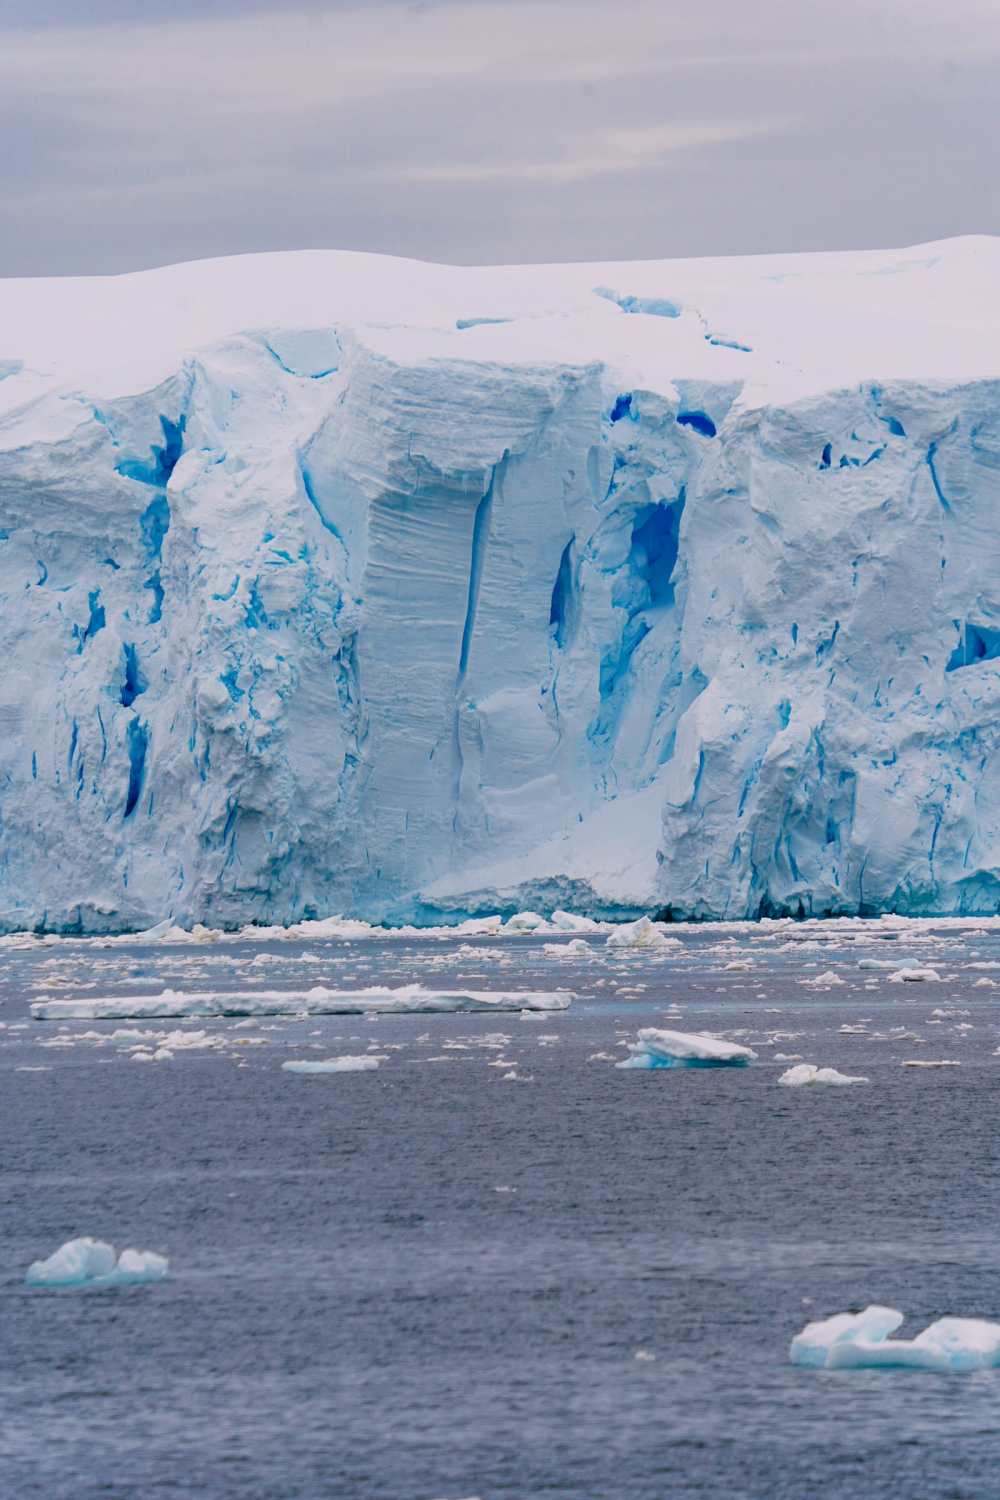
[860, 1341]
[337, 583]
[87, 1262]
[657, 1048]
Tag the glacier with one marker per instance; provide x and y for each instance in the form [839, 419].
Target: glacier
[337, 583]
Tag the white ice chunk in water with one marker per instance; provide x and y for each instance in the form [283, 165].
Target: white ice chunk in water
[807, 1074]
[657, 1048]
[812, 1346]
[331, 1065]
[860, 1341]
[642, 934]
[525, 921]
[568, 921]
[914, 976]
[318, 1001]
[90, 1262]
[575, 948]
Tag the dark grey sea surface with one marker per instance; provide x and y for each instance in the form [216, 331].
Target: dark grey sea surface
[434, 1281]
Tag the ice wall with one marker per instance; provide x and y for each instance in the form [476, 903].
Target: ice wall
[332, 582]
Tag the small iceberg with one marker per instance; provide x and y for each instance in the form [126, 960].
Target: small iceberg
[860, 1341]
[807, 1074]
[90, 1262]
[525, 921]
[318, 1001]
[641, 934]
[575, 948]
[682, 1049]
[914, 976]
[568, 921]
[331, 1065]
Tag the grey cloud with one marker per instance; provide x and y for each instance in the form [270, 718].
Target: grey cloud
[481, 131]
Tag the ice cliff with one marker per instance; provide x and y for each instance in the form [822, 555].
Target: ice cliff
[334, 582]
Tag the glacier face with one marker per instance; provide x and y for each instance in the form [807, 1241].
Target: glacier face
[338, 583]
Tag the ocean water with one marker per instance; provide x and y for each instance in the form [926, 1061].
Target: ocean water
[432, 1282]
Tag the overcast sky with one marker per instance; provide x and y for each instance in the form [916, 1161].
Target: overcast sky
[137, 132]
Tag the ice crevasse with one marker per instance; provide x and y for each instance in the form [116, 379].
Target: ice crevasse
[340, 583]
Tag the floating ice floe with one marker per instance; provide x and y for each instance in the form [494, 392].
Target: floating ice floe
[860, 1341]
[877, 963]
[641, 934]
[928, 1062]
[806, 1074]
[318, 1001]
[822, 981]
[335, 929]
[90, 1262]
[332, 1065]
[575, 948]
[682, 1049]
[914, 976]
[525, 921]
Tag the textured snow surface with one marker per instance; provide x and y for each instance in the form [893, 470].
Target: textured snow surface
[860, 1341]
[318, 1001]
[90, 1262]
[658, 1048]
[338, 583]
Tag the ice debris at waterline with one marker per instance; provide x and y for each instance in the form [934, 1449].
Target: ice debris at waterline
[347, 583]
[318, 1001]
[860, 1341]
[89, 1262]
[331, 1065]
[682, 1049]
[805, 1075]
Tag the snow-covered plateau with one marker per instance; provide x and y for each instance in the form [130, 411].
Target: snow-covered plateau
[339, 583]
